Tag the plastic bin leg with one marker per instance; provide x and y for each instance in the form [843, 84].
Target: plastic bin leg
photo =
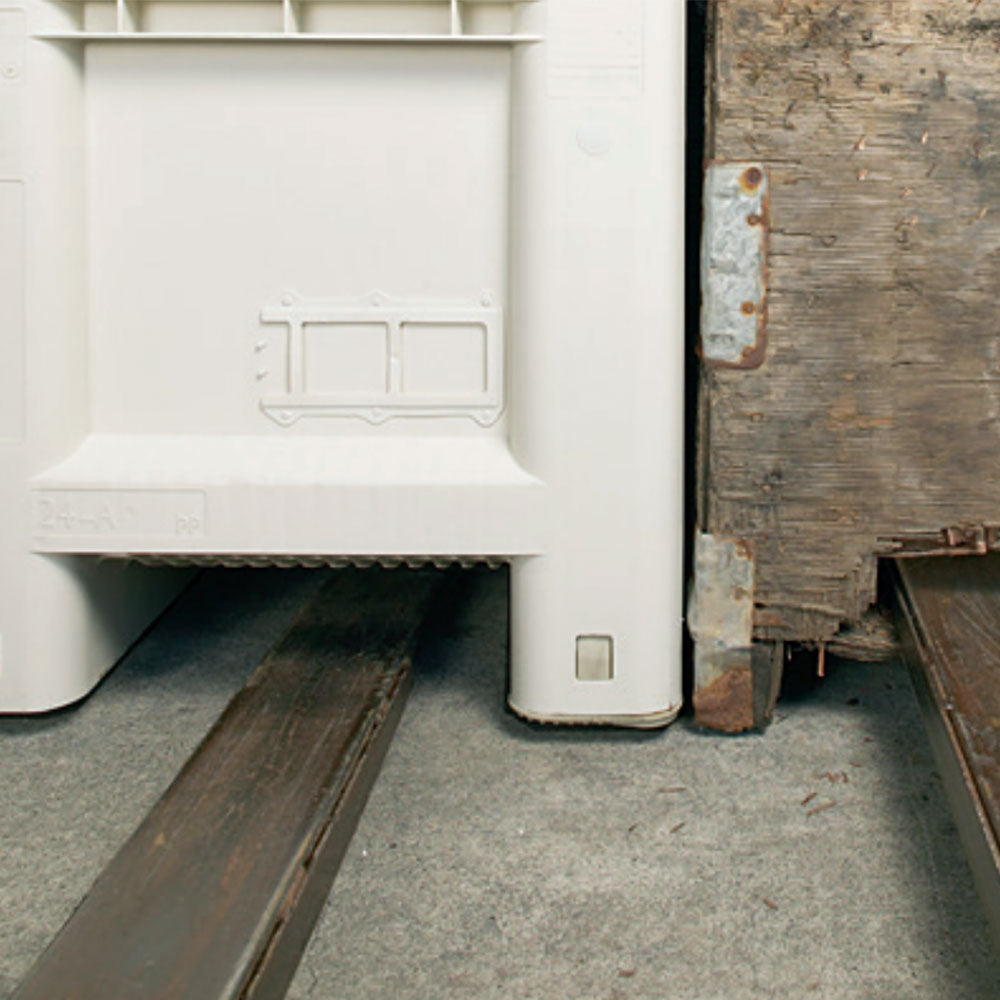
[65, 621]
[590, 646]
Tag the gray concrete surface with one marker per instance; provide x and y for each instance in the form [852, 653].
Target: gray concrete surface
[501, 860]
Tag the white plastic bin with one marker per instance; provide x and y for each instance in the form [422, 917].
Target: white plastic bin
[345, 279]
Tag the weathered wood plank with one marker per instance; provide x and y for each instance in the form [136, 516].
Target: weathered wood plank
[217, 891]
[876, 413]
[949, 613]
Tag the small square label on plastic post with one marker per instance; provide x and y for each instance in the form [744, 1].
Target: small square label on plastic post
[595, 658]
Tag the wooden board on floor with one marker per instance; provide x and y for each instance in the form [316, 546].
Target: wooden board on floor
[873, 422]
[216, 893]
[949, 616]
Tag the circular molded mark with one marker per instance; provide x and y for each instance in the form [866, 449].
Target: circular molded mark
[594, 138]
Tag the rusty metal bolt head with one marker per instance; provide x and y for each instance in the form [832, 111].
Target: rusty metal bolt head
[752, 177]
[753, 219]
[748, 308]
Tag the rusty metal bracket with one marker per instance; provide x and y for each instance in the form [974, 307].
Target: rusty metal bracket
[735, 679]
[957, 540]
[734, 265]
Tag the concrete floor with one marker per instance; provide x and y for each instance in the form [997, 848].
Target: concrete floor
[497, 859]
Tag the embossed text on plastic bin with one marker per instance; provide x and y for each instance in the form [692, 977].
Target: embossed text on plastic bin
[142, 513]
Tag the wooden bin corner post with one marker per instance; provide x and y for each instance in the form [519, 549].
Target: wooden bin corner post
[736, 679]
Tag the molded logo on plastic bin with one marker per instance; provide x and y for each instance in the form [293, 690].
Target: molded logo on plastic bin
[139, 514]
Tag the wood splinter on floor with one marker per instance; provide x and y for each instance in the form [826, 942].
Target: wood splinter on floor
[822, 807]
[835, 777]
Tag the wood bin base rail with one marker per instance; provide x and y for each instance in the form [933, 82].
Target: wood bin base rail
[216, 893]
[948, 610]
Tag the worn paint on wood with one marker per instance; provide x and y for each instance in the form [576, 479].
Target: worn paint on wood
[874, 420]
[216, 893]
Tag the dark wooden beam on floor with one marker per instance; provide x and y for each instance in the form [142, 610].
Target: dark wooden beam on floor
[216, 893]
[949, 620]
